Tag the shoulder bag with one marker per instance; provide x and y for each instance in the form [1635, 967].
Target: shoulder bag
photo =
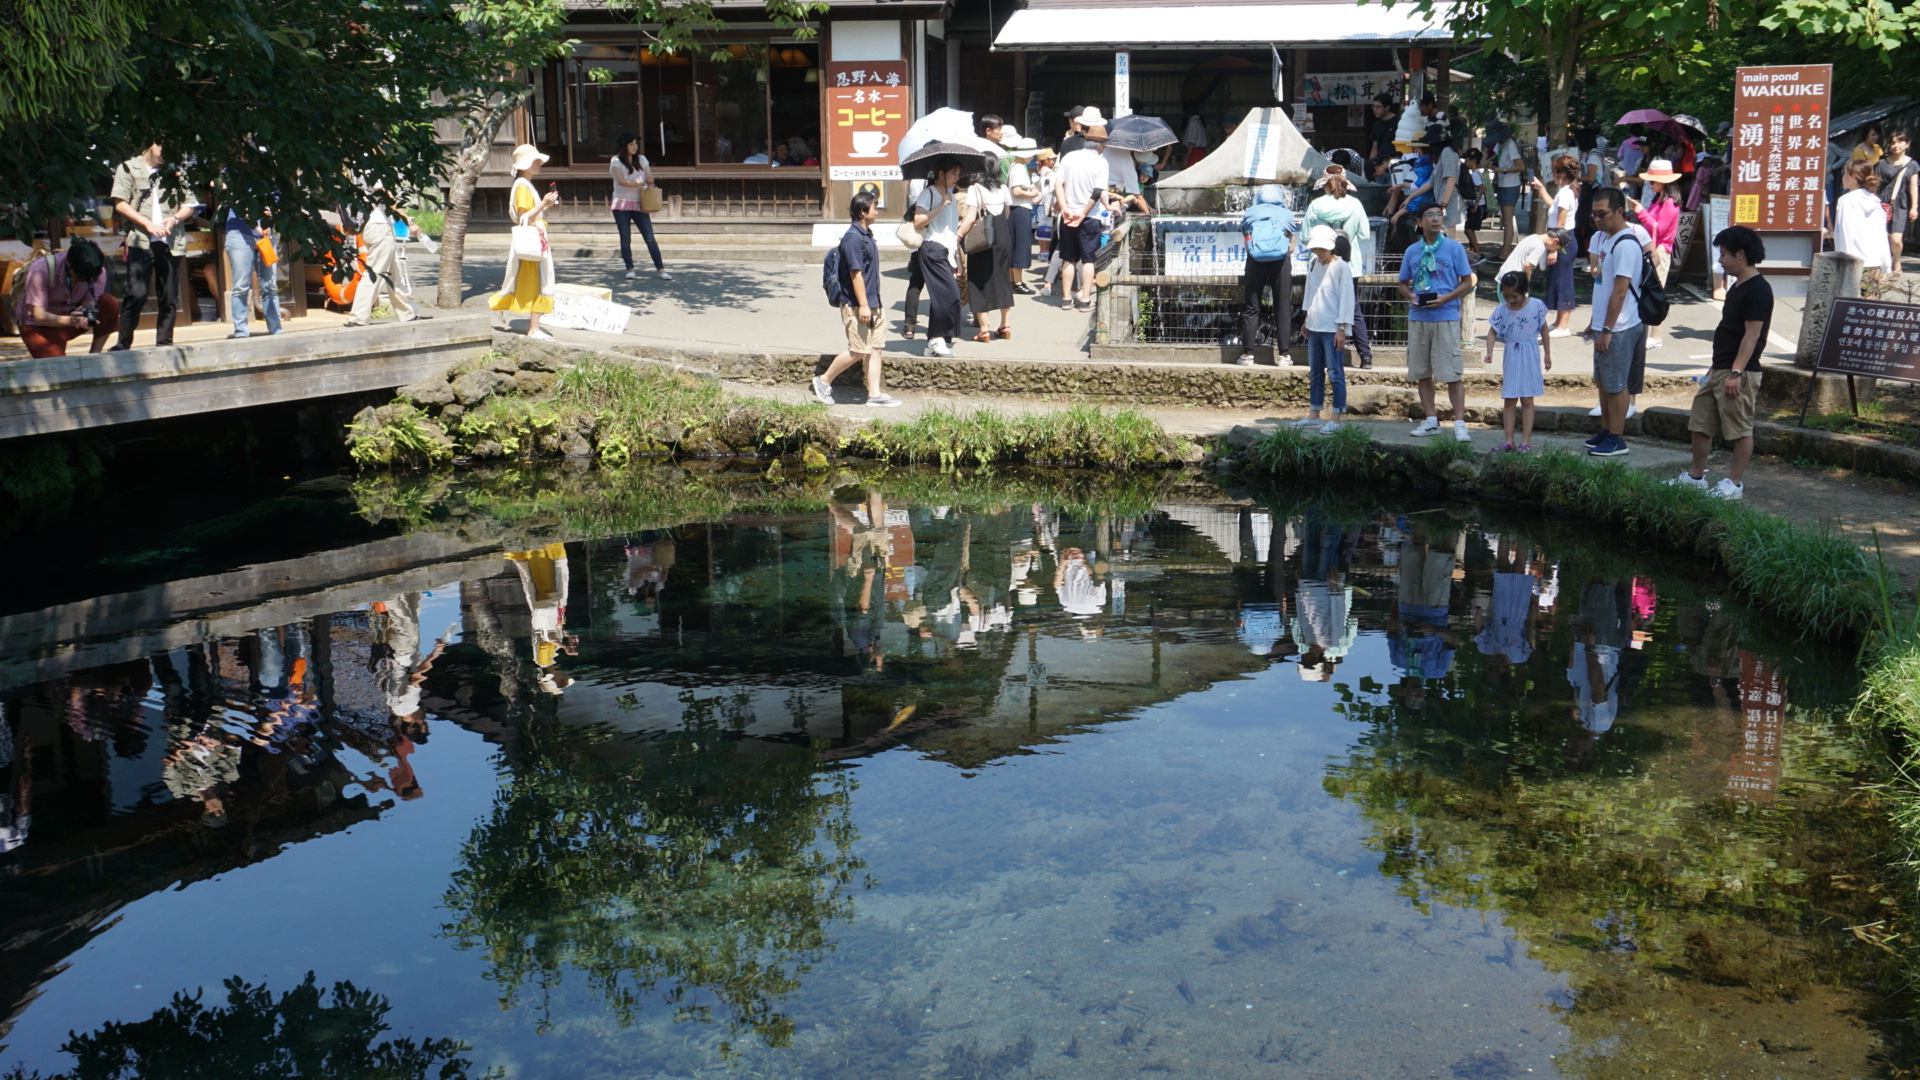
[528, 241]
[910, 237]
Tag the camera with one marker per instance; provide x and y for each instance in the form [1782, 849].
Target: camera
[89, 312]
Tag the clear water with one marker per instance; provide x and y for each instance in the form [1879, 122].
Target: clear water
[1218, 788]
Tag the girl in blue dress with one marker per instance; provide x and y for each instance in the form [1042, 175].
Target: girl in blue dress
[1521, 323]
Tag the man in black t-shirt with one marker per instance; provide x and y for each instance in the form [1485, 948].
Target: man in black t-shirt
[1723, 405]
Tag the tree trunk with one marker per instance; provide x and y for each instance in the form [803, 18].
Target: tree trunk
[1563, 67]
[476, 146]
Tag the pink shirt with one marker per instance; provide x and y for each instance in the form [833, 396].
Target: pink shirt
[1662, 220]
[50, 289]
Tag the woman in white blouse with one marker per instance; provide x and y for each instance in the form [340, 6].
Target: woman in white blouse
[1859, 223]
[631, 174]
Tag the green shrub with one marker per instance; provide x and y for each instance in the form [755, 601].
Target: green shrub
[1080, 436]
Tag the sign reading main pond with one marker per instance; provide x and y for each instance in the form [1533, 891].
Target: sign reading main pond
[1780, 146]
[1200, 246]
[1868, 337]
[869, 107]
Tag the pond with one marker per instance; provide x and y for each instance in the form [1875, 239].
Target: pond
[885, 783]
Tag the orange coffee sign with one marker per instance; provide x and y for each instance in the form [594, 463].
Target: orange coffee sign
[869, 107]
[1780, 146]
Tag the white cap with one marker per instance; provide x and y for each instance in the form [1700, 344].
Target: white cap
[1321, 237]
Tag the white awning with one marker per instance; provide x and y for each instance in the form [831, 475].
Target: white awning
[1222, 25]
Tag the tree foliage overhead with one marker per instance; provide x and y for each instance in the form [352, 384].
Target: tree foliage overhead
[62, 55]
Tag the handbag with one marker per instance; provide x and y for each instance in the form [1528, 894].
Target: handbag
[651, 201]
[980, 237]
[264, 245]
[529, 243]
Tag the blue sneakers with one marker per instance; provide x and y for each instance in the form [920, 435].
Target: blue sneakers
[1609, 446]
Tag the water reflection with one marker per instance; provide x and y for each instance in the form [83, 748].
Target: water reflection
[302, 1032]
[1378, 762]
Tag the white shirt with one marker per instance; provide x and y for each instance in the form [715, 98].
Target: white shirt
[942, 228]
[1860, 229]
[1081, 173]
[1017, 177]
[1505, 156]
[1122, 172]
[1620, 260]
[1566, 203]
[1445, 166]
[1329, 296]
[1531, 250]
[990, 201]
[627, 185]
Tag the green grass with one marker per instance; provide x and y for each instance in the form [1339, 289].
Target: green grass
[1079, 436]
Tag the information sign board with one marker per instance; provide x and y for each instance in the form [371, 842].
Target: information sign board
[1779, 142]
[1872, 338]
[869, 107]
[1200, 246]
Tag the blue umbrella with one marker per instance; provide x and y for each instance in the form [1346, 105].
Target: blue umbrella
[1136, 132]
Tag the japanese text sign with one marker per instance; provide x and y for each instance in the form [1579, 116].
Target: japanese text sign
[1868, 337]
[869, 107]
[1753, 773]
[1780, 146]
[1351, 89]
[1200, 247]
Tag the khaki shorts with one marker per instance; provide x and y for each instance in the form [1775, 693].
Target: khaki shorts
[861, 338]
[1433, 351]
[1717, 415]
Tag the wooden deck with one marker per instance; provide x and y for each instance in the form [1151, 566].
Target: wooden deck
[95, 390]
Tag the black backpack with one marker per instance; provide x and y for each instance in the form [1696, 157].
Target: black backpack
[830, 277]
[1651, 297]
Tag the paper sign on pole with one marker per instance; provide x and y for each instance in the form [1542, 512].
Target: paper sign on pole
[1122, 84]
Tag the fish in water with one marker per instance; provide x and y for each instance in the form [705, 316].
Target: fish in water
[1187, 992]
[901, 717]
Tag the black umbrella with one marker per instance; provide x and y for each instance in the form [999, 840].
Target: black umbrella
[939, 156]
[1136, 132]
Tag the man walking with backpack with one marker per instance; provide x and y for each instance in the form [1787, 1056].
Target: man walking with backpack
[1268, 228]
[852, 283]
[1618, 331]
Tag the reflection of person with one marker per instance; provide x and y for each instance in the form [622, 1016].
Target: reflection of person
[1074, 583]
[861, 549]
[199, 765]
[648, 563]
[1507, 626]
[543, 580]
[1601, 631]
[1324, 626]
[1421, 642]
[16, 784]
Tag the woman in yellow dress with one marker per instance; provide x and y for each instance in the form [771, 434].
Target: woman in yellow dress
[528, 288]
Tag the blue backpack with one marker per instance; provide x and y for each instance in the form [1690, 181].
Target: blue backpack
[1422, 172]
[830, 277]
[1269, 239]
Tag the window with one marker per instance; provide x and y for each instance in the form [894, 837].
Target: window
[602, 110]
[666, 94]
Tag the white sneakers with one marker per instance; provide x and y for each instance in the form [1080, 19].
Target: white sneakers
[882, 401]
[539, 335]
[821, 391]
[1460, 432]
[1560, 331]
[1656, 343]
[633, 273]
[939, 347]
[1725, 489]
[1285, 361]
[1246, 360]
[1595, 411]
[663, 275]
[1429, 426]
[1329, 427]
[1304, 422]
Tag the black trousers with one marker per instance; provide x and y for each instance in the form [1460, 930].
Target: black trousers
[943, 292]
[1257, 277]
[159, 264]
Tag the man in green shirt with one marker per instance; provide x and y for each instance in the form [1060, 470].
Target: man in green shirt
[144, 197]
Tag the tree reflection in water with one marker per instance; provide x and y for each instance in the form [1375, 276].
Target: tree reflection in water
[694, 866]
[305, 1032]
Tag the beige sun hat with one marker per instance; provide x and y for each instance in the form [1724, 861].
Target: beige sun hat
[1660, 171]
[526, 154]
[1009, 135]
[1023, 148]
[1090, 116]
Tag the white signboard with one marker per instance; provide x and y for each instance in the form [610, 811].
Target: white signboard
[1719, 209]
[576, 312]
[863, 172]
[1200, 246]
[1122, 84]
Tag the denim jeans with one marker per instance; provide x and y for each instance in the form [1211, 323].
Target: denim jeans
[626, 219]
[1324, 361]
[244, 262]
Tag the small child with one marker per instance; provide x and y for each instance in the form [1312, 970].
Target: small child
[1329, 302]
[1518, 323]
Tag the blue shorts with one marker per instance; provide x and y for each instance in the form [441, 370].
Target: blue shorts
[1510, 196]
[1081, 243]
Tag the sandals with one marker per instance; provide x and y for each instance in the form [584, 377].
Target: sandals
[907, 332]
[1005, 333]
[983, 336]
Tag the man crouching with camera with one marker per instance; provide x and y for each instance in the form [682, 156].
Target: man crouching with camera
[65, 296]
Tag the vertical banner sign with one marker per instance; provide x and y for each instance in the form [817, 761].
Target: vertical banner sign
[1122, 84]
[1780, 146]
[869, 107]
[1754, 771]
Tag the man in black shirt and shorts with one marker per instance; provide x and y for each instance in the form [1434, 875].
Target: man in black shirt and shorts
[1723, 405]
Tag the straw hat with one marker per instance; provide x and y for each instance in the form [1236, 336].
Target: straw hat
[1091, 117]
[1660, 171]
[1321, 237]
[525, 155]
[1334, 172]
[1047, 153]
